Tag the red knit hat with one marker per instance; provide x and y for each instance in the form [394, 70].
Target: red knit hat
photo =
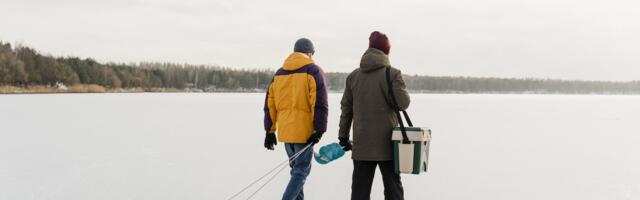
[379, 41]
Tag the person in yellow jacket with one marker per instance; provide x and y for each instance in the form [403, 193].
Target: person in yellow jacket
[296, 107]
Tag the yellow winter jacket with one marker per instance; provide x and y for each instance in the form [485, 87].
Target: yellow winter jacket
[296, 101]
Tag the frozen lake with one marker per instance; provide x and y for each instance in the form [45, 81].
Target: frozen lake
[208, 146]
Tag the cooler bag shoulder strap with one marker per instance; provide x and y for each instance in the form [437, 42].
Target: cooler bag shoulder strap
[406, 117]
[390, 86]
[396, 109]
[394, 104]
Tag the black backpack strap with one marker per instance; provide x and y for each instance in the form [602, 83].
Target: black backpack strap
[396, 108]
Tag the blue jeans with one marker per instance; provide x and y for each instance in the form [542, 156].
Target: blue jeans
[300, 169]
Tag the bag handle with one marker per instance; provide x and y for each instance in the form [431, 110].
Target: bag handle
[396, 108]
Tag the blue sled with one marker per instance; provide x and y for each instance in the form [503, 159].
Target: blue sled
[329, 153]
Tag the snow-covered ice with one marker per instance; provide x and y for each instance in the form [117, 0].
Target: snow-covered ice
[208, 146]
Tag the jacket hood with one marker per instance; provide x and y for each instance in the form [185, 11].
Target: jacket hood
[295, 61]
[373, 59]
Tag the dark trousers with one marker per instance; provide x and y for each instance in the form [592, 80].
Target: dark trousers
[363, 173]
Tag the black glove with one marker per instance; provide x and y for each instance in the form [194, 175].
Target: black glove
[345, 143]
[314, 138]
[270, 140]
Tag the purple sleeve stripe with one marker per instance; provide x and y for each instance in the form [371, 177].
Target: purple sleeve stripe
[321, 109]
[268, 122]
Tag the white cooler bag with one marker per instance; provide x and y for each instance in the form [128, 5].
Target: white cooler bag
[410, 144]
[412, 158]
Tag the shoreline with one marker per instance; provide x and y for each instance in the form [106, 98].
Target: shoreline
[96, 89]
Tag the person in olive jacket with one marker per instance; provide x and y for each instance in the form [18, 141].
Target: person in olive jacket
[366, 102]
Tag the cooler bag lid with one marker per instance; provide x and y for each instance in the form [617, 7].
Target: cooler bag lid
[413, 133]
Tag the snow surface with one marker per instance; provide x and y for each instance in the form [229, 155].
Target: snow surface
[208, 146]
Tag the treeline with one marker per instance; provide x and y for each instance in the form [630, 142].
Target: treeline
[446, 84]
[24, 67]
[511, 85]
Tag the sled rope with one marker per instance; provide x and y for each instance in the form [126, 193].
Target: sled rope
[265, 183]
[280, 165]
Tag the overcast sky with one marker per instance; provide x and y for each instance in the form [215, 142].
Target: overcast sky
[568, 39]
